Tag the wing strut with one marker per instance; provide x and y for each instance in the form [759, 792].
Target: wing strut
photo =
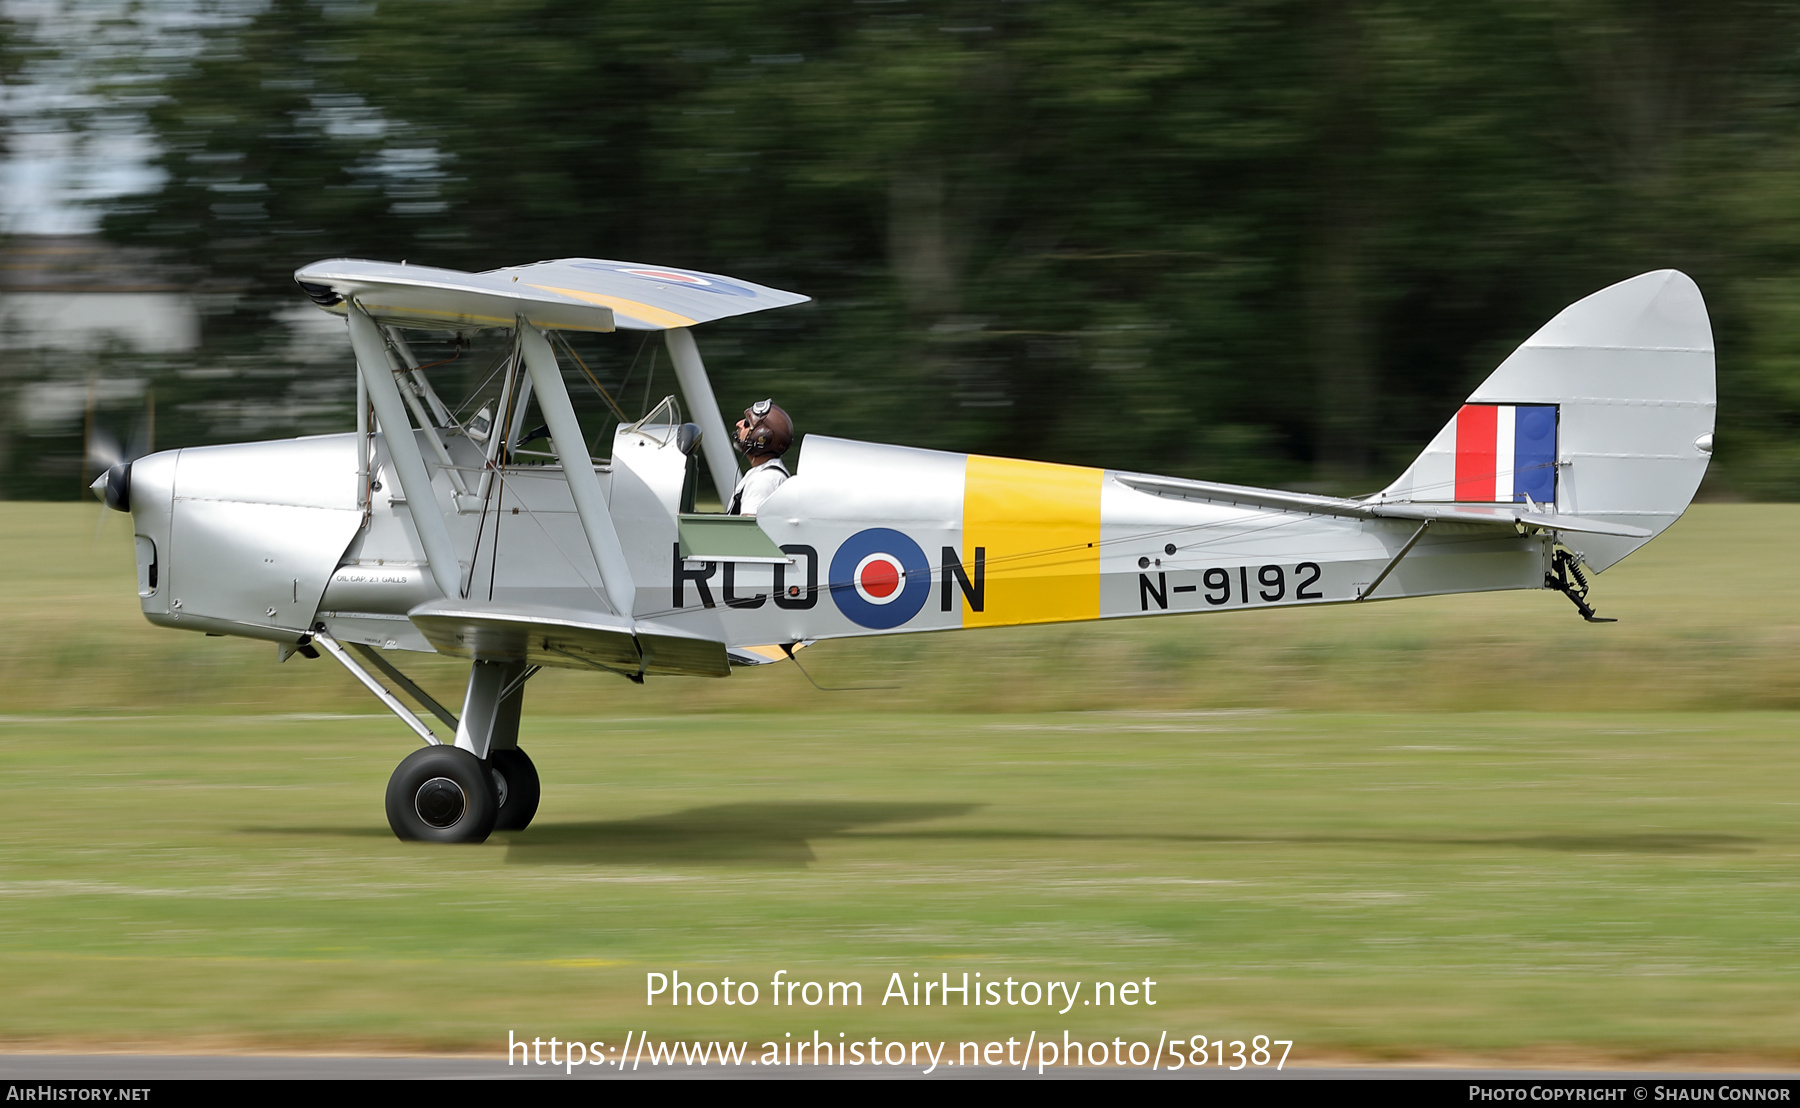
[403, 447]
[440, 414]
[715, 441]
[411, 395]
[578, 469]
[364, 440]
[502, 431]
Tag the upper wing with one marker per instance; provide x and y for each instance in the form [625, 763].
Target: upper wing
[571, 294]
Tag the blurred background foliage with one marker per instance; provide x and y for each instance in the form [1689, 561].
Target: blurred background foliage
[1270, 241]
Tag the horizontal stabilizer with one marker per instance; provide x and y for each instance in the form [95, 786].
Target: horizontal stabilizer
[545, 636]
[1506, 515]
[1509, 515]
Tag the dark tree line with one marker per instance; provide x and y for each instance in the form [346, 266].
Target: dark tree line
[1262, 240]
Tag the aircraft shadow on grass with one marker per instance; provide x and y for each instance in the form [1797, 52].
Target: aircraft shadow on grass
[779, 834]
[1644, 843]
[783, 833]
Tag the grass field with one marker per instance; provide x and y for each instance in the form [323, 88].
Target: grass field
[1469, 828]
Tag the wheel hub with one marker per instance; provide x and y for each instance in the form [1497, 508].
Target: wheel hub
[440, 802]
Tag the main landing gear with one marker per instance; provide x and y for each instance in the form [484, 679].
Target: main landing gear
[465, 792]
[516, 783]
[444, 794]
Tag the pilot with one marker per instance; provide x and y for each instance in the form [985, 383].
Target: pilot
[764, 435]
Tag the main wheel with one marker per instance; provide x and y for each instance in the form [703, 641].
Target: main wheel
[516, 783]
[441, 794]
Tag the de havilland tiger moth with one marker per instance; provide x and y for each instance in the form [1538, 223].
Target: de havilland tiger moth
[421, 531]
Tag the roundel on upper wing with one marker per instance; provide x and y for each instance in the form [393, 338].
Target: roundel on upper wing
[700, 282]
[880, 578]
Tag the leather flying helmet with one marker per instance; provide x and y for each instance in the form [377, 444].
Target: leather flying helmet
[767, 430]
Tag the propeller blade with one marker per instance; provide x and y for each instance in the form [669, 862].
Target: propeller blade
[138, 445]
[103, 450]
[98, 488]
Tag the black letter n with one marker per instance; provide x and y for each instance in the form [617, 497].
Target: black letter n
[953, 570]
[1158, 592]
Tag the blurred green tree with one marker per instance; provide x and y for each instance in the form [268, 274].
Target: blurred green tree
[1261, 240]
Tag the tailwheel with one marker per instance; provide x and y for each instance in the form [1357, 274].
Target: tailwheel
[441, 794]
[516, 784]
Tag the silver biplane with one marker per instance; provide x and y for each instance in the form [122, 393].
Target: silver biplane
[420, 532]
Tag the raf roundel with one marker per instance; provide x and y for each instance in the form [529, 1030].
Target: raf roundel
[669, 276]
[880, 578]
[679, 278]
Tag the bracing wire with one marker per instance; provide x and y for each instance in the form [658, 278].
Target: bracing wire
[499, 364]
[632, 368]
[592, 380]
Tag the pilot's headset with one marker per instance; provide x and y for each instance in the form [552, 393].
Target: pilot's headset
[768, 430]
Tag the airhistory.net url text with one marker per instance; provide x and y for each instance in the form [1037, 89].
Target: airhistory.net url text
[1026, 1055]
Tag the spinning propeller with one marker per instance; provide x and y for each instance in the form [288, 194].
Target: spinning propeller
[105, 454]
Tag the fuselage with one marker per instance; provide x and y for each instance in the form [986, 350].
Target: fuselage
[271, 539]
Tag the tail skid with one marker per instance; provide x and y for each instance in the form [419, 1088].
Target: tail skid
[1565, 576]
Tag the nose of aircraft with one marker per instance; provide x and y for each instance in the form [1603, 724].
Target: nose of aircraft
[114, 487]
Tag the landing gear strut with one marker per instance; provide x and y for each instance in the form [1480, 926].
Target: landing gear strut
[465, 792]
[445, 808]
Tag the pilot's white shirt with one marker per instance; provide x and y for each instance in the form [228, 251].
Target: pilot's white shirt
[756, 486]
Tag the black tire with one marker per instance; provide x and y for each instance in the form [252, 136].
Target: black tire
[441, 794]
[518, 788]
